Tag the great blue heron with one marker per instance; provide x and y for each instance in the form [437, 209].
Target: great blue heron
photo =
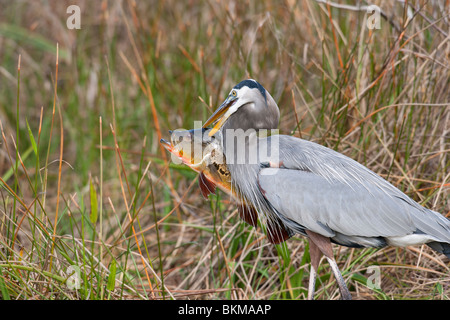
[312, 190]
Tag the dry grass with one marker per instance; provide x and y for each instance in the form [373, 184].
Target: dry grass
[87, 193]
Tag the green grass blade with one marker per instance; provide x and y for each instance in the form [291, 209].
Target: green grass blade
[23, 36]
[112, 276]
[94, 203]
[3, 289]
[10, 172]
[33, 142]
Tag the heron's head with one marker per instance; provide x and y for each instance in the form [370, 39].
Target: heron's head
[248, 106]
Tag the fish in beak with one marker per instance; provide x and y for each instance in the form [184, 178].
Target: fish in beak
[207, 161]
[214, 174]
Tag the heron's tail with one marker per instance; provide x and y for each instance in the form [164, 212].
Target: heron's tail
[441, 247]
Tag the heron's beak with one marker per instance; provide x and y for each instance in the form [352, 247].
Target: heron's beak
[220, 115]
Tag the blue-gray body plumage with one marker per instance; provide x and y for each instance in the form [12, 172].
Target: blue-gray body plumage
[309, 186]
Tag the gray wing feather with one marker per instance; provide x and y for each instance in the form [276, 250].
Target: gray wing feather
[325, 207]
[330, 193]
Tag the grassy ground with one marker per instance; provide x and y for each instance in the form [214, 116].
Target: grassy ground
[89, 200]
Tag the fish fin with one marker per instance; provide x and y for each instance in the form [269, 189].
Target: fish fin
[248, 214]
[277, 231]
[206, 186]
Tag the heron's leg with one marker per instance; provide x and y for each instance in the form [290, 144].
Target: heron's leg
[312, 283]
[324, 245]
[345, 294]
[315, 254]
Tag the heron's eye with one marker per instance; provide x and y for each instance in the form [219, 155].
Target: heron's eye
[233, 93]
